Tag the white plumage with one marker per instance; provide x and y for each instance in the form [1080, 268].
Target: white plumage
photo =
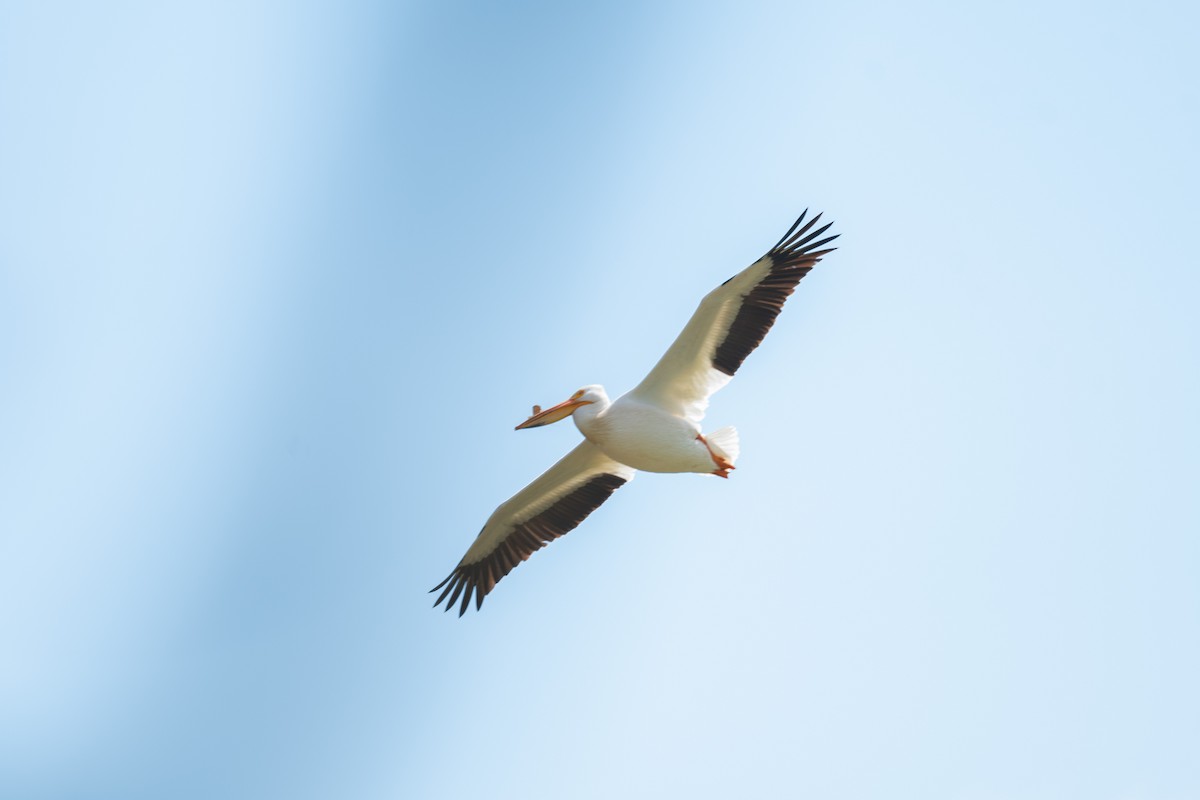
[654, 427]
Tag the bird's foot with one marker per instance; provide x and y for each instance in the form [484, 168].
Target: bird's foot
[723, 464]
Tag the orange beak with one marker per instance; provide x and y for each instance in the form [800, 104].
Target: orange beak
[552, 414]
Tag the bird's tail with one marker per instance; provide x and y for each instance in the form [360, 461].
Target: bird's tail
[724, 442]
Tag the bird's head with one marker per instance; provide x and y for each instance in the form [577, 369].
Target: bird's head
[585, 396]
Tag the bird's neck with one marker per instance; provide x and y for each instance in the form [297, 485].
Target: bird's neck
[588, 418]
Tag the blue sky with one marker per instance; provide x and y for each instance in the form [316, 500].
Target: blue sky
[277, 280]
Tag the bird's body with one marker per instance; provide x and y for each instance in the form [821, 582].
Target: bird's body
[655, 427]
[642, 435]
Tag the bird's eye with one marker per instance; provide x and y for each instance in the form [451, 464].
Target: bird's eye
[577, 395]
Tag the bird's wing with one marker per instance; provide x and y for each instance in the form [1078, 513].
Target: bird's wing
[730, 322]
[544, 510]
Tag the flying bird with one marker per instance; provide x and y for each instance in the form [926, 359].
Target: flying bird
[654, 427]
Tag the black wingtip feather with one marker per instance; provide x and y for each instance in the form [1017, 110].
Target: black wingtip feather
[811, 236]
[447, 590]
[795, 225]
[466, 601]
[826, 240]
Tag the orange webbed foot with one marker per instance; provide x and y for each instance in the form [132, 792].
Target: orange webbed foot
[723, 464]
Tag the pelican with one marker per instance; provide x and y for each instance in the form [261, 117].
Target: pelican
[654, 427]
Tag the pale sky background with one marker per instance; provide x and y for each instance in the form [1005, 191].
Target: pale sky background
[278, 279]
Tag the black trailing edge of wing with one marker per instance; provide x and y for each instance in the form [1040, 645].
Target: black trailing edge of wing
[480, 577]
[791, 259]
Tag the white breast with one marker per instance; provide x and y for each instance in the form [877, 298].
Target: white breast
[646, 437]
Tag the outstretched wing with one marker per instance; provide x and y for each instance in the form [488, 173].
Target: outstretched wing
[544, 510]
[730, 322]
